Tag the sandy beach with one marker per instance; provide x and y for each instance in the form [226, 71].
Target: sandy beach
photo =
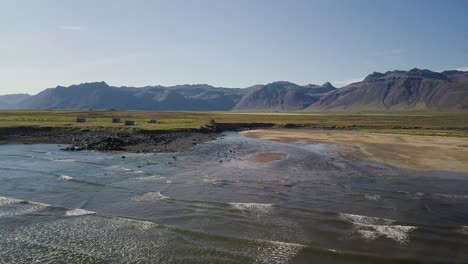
[402, 151]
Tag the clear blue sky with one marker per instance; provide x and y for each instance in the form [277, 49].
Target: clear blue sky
[234, 43]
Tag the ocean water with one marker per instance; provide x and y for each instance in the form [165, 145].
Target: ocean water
[311, 207]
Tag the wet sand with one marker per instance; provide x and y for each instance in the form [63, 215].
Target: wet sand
[266, 157]
[402, 151]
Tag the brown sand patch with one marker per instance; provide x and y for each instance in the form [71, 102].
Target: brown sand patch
[266, 157]
[404, 151]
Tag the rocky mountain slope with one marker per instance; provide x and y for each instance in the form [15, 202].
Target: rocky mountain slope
[391, 91]
[400, 90]
[281, 96]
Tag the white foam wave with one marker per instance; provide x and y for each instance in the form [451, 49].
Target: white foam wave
[118, 168]
[365, 220]
[208, 180]
[64, 160]
[138, 172]
[7, 201]
[451, 196]
[151, 178]
[21, 207]
[372, 197]
[77, 212]
[277, 252]
[253, 207]
[373, 227]
[367, 234]
[333, 250]
[151, 196]
[464, 230]
[65, 177]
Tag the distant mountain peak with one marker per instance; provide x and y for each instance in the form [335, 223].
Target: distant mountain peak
[415, 72]
[87, 84]
[328, 85]
[281, 83]
[374, 76]
[426, 74]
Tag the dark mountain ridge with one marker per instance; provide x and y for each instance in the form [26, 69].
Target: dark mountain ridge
[415, 89]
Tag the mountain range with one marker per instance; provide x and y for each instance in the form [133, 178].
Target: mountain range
[415, 89]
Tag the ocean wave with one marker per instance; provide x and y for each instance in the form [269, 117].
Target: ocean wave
[373, 227]
[64, 160]
[78, 212]
[66, 177]
[277, 252]
[253, 207]
[333, 250]
[7, 201]
[20, 207]
[419, 195]
[118, 168]
[138, 172]
[151, 196]
[208, 180]
[464, 230]
[151, 178]
[103, 238]
[451, 196]
[372, 197]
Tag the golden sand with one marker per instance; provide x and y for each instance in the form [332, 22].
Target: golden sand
[403, 151]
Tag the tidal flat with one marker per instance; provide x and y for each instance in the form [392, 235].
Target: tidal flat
[241, 198]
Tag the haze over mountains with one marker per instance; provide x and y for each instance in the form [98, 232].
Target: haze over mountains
[394, 90]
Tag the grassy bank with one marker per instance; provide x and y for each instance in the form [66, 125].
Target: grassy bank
[419, 124]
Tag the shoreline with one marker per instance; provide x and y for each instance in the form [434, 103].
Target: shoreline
[111, 141]
[354, 143]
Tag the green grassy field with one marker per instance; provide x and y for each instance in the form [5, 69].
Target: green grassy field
[401, 123]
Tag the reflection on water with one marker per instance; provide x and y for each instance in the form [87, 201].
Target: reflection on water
[213, 204]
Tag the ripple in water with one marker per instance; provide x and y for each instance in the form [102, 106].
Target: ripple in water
[151, 196]
[253, 207]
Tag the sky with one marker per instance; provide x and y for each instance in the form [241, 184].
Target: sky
[236, 43]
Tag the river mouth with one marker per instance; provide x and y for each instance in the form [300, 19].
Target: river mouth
[212, 204]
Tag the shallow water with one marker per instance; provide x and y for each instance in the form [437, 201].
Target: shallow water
[88, 207]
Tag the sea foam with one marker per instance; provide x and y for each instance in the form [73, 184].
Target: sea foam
[253, 207]
[372, 197]
[373, 227]
[78, 212]
[20, 207]
[277, 252]
[7, 201]
[65, 177]
[151, 196]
